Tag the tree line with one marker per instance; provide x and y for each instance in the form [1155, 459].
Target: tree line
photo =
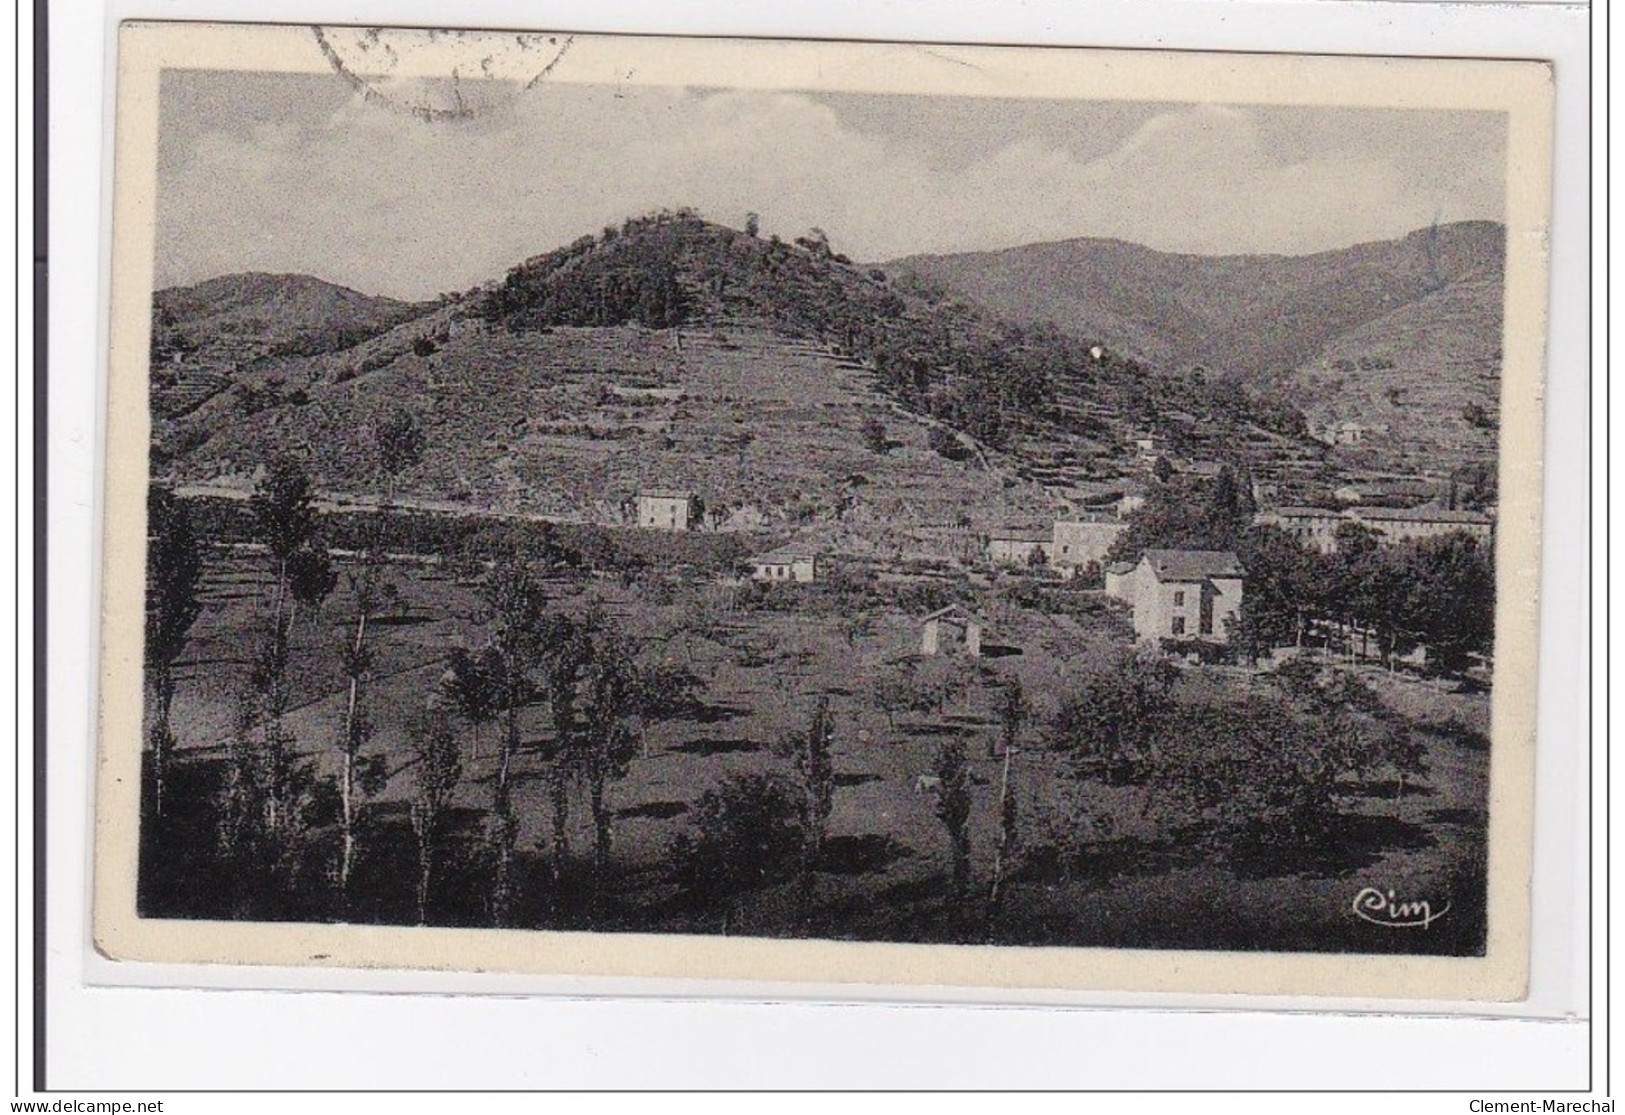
[278, 817]
[281, 826]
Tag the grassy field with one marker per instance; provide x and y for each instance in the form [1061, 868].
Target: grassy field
[1094, 865]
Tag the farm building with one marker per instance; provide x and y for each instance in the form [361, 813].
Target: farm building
[1017, 547]
[1181, 594]
[662, 509]
[1149, 445]
[1081, 542]
[657, 394]
[950, 630]
[1345, 433]
[784, 565]
[1132, 499]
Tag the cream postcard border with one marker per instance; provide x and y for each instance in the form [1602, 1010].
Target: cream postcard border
[1523, 90]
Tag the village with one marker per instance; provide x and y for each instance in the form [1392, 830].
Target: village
[1173, 595]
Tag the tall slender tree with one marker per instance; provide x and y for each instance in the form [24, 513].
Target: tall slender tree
[174, 577]
[474, 685]
[1014, 711]
[815, 763]
[438, 769]
[400, 443]
[265, 777]
[953, 808]
[372, 592]
[611, 732]
[282, 511]
[564, 661]
[514, 601]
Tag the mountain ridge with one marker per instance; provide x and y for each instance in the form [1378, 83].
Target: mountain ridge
[1284, 324]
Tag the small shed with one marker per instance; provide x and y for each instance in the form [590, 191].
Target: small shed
[785, 565]
[1148, 445]
[952, 629]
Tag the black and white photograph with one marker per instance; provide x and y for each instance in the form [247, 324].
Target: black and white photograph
[1038, 503]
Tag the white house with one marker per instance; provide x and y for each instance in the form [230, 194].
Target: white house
[1181, 594]
[1118, 584]
[665, 509]
[785, 566]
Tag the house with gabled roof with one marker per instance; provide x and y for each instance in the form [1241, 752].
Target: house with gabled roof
[1082, 540]
[1181, 594]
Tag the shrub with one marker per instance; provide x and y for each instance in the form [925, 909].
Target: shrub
[1111, 722]
[947, 445]
[748, 834]
[669, 691]
[1227, 769]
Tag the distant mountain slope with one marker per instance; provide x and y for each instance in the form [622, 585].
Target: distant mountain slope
[256, 315]
[1424, 379]
[1247, 314]
[1331, 333]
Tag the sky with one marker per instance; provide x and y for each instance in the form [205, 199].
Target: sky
[299, 173]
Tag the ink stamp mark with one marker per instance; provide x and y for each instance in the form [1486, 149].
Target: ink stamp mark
[439, 75]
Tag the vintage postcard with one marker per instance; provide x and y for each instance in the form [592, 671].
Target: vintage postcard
[823, 512]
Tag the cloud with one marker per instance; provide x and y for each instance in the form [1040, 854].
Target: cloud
[383, 202]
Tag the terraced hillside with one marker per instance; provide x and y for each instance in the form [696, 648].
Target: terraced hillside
[1426, 380]
[784, 384]
[572, 422]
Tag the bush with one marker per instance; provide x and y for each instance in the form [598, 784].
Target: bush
[1229, 769]
[1110, 725]
[947, 445]
[748, 834]
[669, 691]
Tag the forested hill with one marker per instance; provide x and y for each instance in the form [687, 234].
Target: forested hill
[1248, 314]
[254, 316]
[988, 375]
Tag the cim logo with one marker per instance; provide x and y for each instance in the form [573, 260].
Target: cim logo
[1380, 907]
